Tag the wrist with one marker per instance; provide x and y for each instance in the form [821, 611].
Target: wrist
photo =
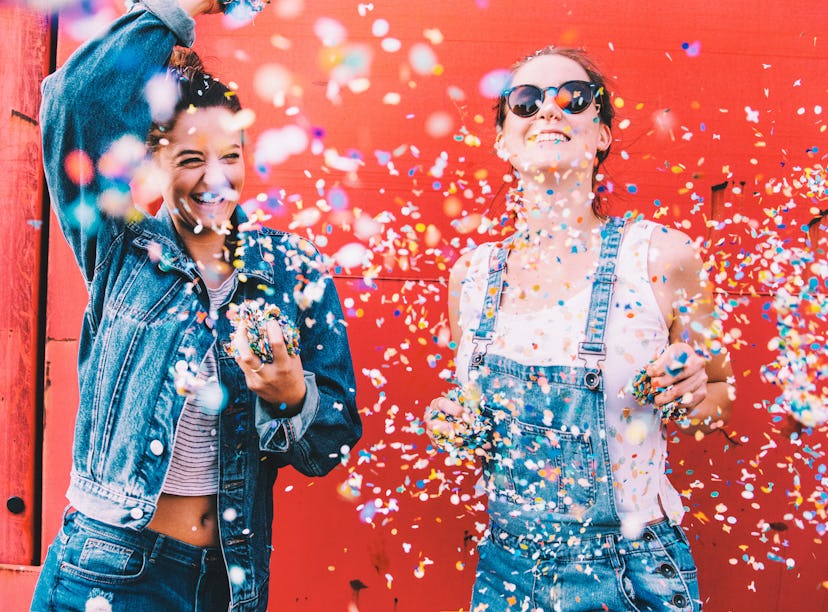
[199, 7]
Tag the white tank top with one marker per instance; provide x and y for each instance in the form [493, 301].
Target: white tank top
[636, 333]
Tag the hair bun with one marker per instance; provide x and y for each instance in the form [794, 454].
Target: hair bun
[186, 62]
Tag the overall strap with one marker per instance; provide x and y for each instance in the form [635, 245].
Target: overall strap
[491, 303]
[592, 351]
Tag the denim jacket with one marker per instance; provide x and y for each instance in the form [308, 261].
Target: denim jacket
[148, 324]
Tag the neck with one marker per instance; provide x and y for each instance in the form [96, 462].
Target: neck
[557, 214]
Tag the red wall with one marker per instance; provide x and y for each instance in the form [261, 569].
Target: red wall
[692, 79]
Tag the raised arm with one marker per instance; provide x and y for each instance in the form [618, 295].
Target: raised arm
[96, 99]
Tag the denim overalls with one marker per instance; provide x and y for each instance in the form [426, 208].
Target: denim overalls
[555, 540]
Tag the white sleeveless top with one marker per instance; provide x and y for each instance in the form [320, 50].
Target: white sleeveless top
[636, 333]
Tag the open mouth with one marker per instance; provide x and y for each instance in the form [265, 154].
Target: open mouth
[213, 198]
[551, 137]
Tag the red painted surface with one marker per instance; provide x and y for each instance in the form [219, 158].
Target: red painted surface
[689, 130]
[20, 249]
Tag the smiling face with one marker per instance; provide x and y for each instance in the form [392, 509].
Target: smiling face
[204, 169]
[552, 140]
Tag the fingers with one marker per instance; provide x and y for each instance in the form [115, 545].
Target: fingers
[678, 362]
[445, 405]
[688, 392]
[247, 361]
[441, 420]
[277, 341]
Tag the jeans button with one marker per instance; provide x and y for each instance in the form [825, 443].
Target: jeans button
[679, 600]
[667, 570]
[648, 536]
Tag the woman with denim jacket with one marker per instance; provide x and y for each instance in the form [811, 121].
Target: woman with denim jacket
[184, 417]
[578, 337]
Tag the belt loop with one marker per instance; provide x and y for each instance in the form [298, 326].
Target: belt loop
[615, 558]
[67, 511]
[157, 546]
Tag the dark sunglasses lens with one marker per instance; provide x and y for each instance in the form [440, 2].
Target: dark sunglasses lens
[525, 100]
[574, 96]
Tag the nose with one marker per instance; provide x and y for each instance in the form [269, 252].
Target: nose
[214, 176]
[549, 108]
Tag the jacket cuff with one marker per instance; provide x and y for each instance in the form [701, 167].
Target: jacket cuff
[172, 15]
[279, 435]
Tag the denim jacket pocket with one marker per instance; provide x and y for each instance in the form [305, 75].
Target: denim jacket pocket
[146, 297]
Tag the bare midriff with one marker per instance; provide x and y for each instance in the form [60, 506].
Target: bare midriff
[193, 520]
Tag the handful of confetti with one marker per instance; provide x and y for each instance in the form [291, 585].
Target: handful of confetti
[254, 316]
[247, 6]
[642, 389]
[471, 431]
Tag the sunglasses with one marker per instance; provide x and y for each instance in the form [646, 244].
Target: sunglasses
[572, 97]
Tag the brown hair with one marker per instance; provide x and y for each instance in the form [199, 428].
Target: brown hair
[606, 111]
[196, 89]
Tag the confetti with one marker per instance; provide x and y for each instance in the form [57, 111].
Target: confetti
[254, 316]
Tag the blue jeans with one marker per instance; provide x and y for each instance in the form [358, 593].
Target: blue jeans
[607, 572]
[94, 566]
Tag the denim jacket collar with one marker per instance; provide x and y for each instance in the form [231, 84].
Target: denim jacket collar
[159, 230]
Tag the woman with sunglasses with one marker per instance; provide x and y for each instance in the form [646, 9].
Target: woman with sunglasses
[213, 350]
[578, 338]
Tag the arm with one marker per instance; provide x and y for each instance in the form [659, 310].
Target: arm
[95, 99]
[705, 384]
[306, 404]
[440, 407]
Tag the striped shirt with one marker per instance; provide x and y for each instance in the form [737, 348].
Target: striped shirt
[194, 465]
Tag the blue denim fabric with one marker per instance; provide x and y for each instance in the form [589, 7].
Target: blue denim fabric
[603, 571]
[554, 538]
[148, 313]
[104, 567]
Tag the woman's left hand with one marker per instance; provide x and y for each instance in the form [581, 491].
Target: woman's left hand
[281, 382]
[680, 371]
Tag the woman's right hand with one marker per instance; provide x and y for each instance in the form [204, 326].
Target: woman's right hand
[201, 7]
[442, 419]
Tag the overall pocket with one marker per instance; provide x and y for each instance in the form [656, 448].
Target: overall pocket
[541, 467]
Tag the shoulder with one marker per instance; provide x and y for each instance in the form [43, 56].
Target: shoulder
[666, 245]
[294, 241]
[471, 263]
[674, 261]
[461, 267]
[285, 243]
[673, 247]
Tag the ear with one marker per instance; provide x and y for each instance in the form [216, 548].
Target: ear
[604, 137]
[500, 148]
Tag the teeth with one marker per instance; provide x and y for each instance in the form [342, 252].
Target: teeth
[551, 137]
[207, 197]
[210, 197]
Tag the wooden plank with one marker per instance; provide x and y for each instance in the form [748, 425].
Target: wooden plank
[17, 584]
[25, 36]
